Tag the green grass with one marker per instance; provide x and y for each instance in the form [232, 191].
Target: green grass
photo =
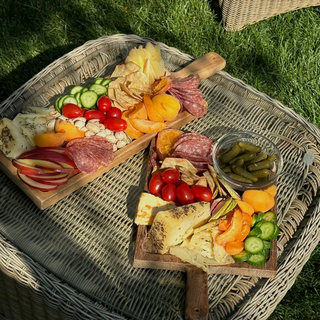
[279, 56]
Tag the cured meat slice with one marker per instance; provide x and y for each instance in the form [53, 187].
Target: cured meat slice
[90, 152]
[190, 97]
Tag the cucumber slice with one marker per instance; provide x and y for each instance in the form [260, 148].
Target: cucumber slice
[99, 89]
[241, 257]
[98, 80]
[257, 260]
[56, 105]
[276, 232]
[269, 216]
[260, 216]
[267, 229]
[84, 90]
[255, 232]
[106, 82]
[253, 245]
[267, 244]
[89, 99]
[76, 89]
[254, 220]
[77, 96]
[69, 99]
[265, 252]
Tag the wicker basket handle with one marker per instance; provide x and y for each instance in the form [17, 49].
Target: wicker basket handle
[205, 66]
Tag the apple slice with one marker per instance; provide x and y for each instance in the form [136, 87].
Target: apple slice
[41, 164]
[65, 161]
[35, 184]
[49, 176]
[52, 181]
[27, 168]
[43, 150]
[61, 170]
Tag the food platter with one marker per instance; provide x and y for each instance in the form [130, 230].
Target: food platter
[196, 306]
[205, 67]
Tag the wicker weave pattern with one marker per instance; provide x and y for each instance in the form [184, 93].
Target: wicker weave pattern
[85, 242]
[236, 14]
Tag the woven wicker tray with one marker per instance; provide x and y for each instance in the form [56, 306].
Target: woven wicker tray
[73, 260]
[98, 63]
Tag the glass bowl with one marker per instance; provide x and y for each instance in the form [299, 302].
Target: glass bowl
[267, 146]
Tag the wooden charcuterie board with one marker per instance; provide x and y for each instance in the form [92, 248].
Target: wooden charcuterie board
[197, 305]
[204, 67]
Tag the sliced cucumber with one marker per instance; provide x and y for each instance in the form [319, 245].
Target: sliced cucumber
[241, 257]
[269, 216]
[99, 89]
[77, 96]
[267, 230]
[84, 90]
[253, 245]
[89, 99]
[265, 252]
[98, 80]
[69, 99]
[255, 232]
[267, 244]
[260, 216]
[257, 260]
[276, 232]
[56, 105]
[254, 220]
[76, 89]
[106, 82]
[60, 103]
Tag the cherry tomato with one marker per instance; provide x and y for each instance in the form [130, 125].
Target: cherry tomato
[201, 193]
[95, 114]
[184, 194]
[115, 124]
[156, 183]
[179, 183]
[104, 104]
[168, 192]
[170, 175]
[71, 110]
[114, 113]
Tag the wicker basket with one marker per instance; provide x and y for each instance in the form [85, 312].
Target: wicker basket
[236, 14]
[73, 260]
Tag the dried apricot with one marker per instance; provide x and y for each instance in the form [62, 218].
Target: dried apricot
[165, 141]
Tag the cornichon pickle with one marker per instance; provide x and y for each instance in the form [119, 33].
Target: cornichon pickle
[226, 169]
[265, 164]
[239, 162]
[243, 173]
[246, 157]
[238, 178]
[271, 158]
[227, 157]
[262, 173]
[259, 157]
[249, 147]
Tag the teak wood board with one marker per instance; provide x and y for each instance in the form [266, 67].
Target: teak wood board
[45, 199]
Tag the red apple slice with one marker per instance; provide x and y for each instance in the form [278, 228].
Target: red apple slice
[51, 181]
[35, 184]
[37, 163]
[27, 168]
[42, 150]
[65, 161]
[61, 170]
[49, 176]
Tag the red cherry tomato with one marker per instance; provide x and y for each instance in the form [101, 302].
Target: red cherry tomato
[201, 193]
[115, 124]
[168, 192]
[179, 183]
[184, 194]
[156, 183]
[104, 104]
[114, 113]
[71, 110]
[95, 114]
[170, 175]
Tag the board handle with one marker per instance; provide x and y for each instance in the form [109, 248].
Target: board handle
[197, 300]
[205, 66]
